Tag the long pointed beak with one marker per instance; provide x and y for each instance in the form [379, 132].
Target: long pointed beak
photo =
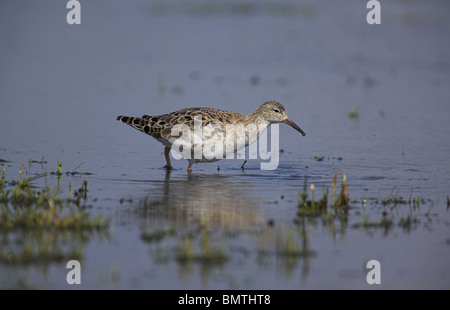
[293, 125]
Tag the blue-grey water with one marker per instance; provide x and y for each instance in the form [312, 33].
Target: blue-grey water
[62, 86]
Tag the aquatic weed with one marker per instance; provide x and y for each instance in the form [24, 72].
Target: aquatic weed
[52, 226]
[158, 234]
[321, 206]
[208, 253]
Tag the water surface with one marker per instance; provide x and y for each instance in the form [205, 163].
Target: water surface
[61, 88]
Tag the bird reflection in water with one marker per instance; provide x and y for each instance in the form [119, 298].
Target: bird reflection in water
[216, 201]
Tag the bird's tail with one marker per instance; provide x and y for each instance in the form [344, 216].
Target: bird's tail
[135, 122]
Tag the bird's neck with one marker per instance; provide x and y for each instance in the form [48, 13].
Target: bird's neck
[255, 125]
[257, 119]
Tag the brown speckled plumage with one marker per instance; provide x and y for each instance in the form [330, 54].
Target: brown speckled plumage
[160, 126]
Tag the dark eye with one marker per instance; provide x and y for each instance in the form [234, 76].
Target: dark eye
[276, 110]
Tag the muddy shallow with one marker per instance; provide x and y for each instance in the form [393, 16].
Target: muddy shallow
[373, 101]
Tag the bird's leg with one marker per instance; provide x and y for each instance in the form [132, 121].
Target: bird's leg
[166, 155]
[189, 167]
[242, 167]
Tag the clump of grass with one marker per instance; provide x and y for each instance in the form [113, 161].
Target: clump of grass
[321, 206]
[342, 198]
[385, 224]
[333, 205]
[34, 161]
[39, 215]
[23, 207]
[79, 194]
[353, 114]
[394, 199]
[329, 208]
[288, 246]
[312, 207]
[40, 247]
[206, 253]
[74, 171]
[186, 251]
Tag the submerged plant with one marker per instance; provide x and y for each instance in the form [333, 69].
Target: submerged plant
[207, 252]
[321, 206]
[36, 225]
[353, 113]
[158, 235]
[329, 208]
[288, 245]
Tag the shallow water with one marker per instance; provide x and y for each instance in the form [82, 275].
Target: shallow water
[62, 86]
